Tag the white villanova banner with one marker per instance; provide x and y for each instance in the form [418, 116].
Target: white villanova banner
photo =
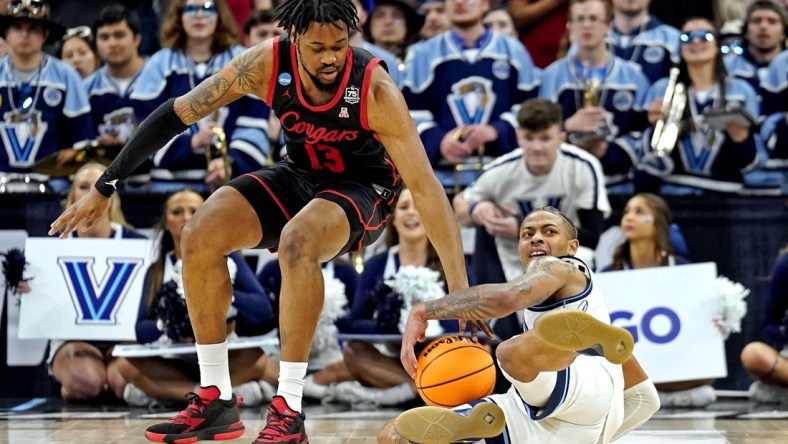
[86, 289]
[670, 312]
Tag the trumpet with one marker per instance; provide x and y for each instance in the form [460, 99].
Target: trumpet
[666, 130]
[475, 163]
[218, 149]
[591, 92]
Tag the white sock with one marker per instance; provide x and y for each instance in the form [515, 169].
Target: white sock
[398, 394]
[214, 368]
[291, 383]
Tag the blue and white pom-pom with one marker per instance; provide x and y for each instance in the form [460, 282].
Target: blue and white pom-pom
[417, 284]
[731, 306]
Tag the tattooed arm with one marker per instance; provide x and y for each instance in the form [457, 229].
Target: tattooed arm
[247, 73]
[544, 278]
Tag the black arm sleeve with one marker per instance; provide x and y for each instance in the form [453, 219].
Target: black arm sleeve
[158, 129]
[592, 223]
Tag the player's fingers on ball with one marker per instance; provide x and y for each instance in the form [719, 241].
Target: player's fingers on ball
[488, 330]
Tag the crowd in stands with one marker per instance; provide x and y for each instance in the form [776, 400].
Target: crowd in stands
[520, 104]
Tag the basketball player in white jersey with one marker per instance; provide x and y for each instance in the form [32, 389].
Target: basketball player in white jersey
[563, 390]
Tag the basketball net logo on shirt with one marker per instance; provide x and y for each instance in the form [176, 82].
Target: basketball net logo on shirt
[97, 299]
[22, 139]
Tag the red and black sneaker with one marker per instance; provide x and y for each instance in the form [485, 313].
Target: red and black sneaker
[283, 425]
[206, 417]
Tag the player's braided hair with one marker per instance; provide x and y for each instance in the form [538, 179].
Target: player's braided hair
[300, 13]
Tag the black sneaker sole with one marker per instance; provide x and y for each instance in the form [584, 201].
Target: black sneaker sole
[221, 433]
[437, 425]
[577, 330]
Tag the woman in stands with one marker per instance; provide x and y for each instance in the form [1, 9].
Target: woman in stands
[645, 224]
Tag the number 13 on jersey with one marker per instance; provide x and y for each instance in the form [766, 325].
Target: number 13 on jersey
[325, 157]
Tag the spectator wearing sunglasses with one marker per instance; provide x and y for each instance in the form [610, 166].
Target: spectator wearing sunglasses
[118, 37]
[78, 49]
[704, 159]
[42, 102]
[199, 39]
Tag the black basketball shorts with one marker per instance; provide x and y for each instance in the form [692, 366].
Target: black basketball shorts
[278, 192]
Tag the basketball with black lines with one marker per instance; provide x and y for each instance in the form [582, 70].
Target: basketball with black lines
[453, 370]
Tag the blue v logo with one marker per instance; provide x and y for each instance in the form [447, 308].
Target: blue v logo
[97, 298]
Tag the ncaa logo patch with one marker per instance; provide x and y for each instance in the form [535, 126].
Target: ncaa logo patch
[501, 69]
[352, 95]
[52, 96]
[284, 79]
[623, 100]
[654, 54]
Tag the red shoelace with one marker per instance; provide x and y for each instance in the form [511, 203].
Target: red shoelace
[197, 405]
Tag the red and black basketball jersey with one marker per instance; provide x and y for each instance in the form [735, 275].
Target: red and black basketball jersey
[332, 141]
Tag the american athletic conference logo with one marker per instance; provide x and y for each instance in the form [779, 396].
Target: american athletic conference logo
[97, 298]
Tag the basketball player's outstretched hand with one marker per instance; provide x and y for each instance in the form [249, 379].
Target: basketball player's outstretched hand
[415, 331]
[82, 214]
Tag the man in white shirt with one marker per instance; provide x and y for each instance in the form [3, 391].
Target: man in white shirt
[544, 170]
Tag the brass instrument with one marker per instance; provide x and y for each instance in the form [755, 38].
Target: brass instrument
[475, 163]
[666, 130]
[591, 96]
[218, 149]
[591, 92]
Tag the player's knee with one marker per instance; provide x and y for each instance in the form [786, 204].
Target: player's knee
[758, 357]
[191, 240]
[197, 238]
[505, 354]
[295, 245]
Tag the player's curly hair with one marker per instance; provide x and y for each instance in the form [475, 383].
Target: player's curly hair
[299, 14]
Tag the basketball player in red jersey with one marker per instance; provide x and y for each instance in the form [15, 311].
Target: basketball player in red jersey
[350, 143]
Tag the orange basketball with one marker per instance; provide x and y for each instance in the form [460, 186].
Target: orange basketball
[453, 370]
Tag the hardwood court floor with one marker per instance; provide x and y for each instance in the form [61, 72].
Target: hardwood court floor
[48, 421]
